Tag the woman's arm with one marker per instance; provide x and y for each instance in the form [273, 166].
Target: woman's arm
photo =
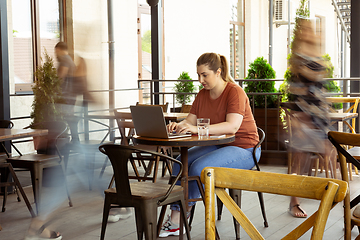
[230, 126]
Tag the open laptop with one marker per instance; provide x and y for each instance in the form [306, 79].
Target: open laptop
[149, 121]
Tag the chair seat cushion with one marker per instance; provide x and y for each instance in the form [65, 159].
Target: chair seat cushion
[147, 190]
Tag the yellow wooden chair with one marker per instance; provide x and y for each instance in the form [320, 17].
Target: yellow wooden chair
[341, 140]
[216, 180]
[353, 105]
[353, 101]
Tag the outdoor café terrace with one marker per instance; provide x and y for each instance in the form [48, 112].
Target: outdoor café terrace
[83, 219]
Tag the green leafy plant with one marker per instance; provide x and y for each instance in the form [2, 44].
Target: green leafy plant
[329, 85]
[47, 93]
[261, 69]
[184, 87]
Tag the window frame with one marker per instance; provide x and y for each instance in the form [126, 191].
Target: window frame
[35, 38]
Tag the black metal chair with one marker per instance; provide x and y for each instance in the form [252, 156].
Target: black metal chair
[7, 172]
[236, 194]
[145, 197]
[36, 163]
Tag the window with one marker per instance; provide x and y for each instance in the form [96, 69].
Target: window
[22, 41]
[35, 26]
[237, 39]
[144, 49]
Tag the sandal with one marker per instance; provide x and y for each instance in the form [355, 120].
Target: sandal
[37, 236]
[300, 209]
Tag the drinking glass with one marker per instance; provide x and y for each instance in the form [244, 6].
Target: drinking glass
[203, 127]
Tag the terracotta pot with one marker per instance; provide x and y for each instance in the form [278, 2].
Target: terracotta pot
[40, 142]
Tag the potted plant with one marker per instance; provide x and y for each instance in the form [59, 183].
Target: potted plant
[183, 87]
[261, 69]
[47, 101]
[266, 117]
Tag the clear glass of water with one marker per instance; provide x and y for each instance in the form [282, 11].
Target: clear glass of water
[203, 127]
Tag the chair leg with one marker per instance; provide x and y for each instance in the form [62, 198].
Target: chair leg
[183, 220]
[262, 206]
[219, 208]
[161, 219]
[105, 217]
[36, 173]
[26, 200]
[236, 195]
[139, 224]
[149, 218]
[5, 177]
[347, 218]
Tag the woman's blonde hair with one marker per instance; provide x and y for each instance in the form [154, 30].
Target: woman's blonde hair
[215, 61]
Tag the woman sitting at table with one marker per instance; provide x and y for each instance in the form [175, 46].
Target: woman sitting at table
[227, 106]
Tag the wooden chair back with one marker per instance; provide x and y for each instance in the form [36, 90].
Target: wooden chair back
[341, 141]
[185, 108]
[164, 106]
[125, 125]
[353, 101]
[216, 180]
[127, 131]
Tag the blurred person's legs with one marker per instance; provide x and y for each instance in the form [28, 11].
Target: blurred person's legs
[299, 165]
[53, 194]
[198, 159]
[117, 214]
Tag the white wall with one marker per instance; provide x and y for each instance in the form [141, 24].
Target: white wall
[257, 33]
[256, 30]
[191, 29]
[91, 42]
[126, 51]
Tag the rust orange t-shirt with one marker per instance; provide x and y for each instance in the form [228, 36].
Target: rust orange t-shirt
[232, 100]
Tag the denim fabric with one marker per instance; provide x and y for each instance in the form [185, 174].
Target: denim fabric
[200, 157]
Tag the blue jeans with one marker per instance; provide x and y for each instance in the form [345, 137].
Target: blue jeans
[200, 157]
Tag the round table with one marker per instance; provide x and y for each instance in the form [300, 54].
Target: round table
[185, 143]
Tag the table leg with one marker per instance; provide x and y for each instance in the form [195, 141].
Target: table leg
[185, 173]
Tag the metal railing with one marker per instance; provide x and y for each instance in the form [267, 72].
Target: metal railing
[84, 113]
[344, 83]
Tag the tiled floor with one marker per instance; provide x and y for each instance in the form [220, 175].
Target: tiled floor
[83, 220]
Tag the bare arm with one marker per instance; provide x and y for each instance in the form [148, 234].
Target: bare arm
[230, 126]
